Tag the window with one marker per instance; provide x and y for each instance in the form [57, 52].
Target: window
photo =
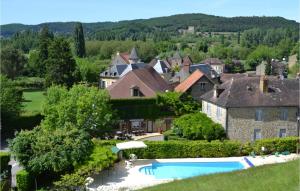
[257, 134]
[282, 132]
[208, 109]
[135, 92]
[103, 84]
[219, 113]
[283, 114]
[202, 85]
[258, 115]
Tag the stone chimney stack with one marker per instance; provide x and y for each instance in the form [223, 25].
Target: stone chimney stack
[263, 84]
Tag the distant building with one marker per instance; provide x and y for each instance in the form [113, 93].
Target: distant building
[253, 108]
[121, 64]
[195, 85]
[216, 64]
[189, 30]
[188, 68]
[175, 61]
[278, 68]
[145, 82]
[162, 67]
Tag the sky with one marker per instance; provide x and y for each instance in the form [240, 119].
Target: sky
[39, 11]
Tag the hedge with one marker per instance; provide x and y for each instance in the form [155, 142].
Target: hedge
[4, 160]
[193, 149]
[24, 181]
[30, 82]
[276, 145]
[187, 149]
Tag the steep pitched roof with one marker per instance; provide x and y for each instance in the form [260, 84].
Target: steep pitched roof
[245, 92]
[161, 66]
[125, 57]
[187, 60]
[131, 67]
[146, 79]
[189, 82]
[213, 61]
[114, 70]
[133, 54]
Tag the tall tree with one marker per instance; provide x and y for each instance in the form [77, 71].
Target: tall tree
[79, 41]
[10, 101]
[239, 37]
[45, 39]
[60, 65]
[12, 62]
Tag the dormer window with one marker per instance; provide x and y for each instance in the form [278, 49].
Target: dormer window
[135, 92]
[115, 73]
[105, 73]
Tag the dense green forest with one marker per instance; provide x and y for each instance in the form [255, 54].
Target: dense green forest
[141, 28]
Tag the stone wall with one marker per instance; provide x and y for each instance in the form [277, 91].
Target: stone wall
[196, 92]
[241, 123]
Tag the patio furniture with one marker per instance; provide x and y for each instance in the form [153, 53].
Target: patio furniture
[128, 164]
[132, 157]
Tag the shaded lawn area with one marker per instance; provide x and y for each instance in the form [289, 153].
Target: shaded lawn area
[275, 177]
[33, 101]
[29, 117]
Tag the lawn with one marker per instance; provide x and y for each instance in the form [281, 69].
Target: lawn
[276, 177]
[33, 101]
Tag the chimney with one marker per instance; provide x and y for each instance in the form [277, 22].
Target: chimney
[186, 67]
[263, 84]
[217, 91]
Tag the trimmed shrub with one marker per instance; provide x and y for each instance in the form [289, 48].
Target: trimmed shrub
[197, 126]
[187, 149]
[4, 160]
[24, 181]
[276, 145]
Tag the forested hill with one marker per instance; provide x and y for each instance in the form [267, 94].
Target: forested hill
[170, 24]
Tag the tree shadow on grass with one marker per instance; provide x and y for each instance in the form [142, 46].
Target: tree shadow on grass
[23, 122]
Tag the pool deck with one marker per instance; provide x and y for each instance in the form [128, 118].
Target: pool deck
[119, 178]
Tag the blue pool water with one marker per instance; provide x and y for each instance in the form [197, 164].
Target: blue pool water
[171, 170]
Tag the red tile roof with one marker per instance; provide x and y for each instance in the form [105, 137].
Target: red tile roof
[125, 57]
[188, 82]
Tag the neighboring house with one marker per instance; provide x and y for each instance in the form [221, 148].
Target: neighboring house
[121, 65]
[188, 68]
[162, 67]
[196, 85]
[227, 76]
[216, 64]
[252, 108]
[278, 68]
[175, 61]
[145, 82]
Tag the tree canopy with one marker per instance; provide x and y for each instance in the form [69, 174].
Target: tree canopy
[60, 64]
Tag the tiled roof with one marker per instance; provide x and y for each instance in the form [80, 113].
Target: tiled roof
[133, 54]
[125, 57]
[245, 92]
[212, 61]
[188, 82]
[146, 79]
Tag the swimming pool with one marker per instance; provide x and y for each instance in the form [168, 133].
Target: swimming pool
[172, 170]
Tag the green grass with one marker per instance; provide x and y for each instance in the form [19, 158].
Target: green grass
[33, 101]
[276, 177]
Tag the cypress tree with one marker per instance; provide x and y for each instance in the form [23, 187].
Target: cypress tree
[79, 41]
[239, 37]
